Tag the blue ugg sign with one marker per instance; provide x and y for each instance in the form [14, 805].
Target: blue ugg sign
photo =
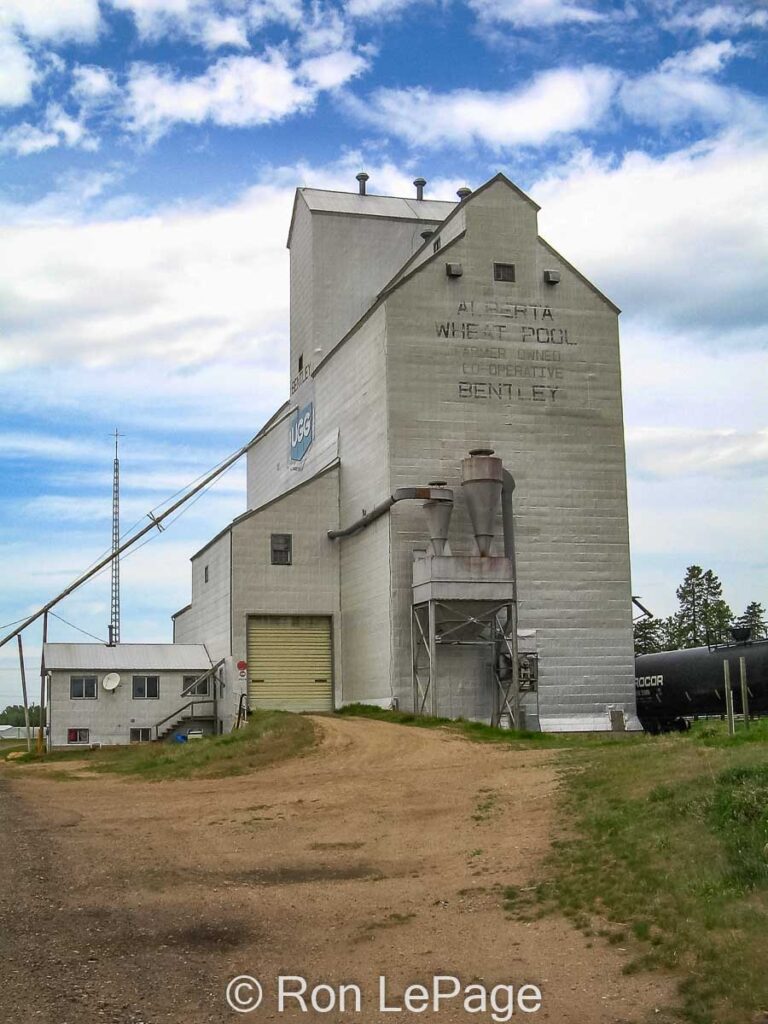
[302, 429]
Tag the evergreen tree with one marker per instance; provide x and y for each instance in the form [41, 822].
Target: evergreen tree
[754, 617]
[717, 616]
[690, 615]
[703, 615]
[672, 634]
[649, 635]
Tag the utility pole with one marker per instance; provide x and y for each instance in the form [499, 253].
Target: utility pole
[114, 622]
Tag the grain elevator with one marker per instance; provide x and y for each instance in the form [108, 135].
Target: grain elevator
[437, 515]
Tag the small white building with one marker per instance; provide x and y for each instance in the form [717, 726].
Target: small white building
[129, 693]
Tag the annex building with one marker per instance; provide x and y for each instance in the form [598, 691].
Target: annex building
[378, 560]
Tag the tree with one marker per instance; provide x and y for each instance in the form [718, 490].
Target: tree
[717, 616]
[704, 617]
[754, 617]
[672, 633]
[14, 715]
[690, 597]
[649, 635]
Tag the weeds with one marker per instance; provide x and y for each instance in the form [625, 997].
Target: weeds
[667, 849]
[270, 736]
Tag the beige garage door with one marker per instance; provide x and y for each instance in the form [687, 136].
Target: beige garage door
[289, 663]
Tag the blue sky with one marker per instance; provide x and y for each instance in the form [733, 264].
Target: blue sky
[148, 154]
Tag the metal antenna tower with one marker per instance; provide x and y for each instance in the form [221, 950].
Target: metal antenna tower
[114, 623]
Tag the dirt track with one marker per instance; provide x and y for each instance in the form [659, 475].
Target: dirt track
[380, 853]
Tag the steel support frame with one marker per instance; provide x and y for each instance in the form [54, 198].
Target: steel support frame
[487, 629]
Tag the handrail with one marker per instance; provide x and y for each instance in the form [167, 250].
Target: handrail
[208, 673]
[242, 710]
[177, 712]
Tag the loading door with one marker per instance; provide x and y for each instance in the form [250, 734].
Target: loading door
[289, 663]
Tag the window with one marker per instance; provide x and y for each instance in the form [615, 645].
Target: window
[301, 363]
[141, 735]
[503, 271]
[205, 574]
[201, 690]
[82, 688]
[436, 245]
[282, 544]
[78, 735]
[146, 687]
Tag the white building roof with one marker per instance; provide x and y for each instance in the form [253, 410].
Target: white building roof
[128, 657]
[376, 206]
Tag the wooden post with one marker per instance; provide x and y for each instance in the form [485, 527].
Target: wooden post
[24, 694]
[43, 708]
[744, 690]
[729, 698]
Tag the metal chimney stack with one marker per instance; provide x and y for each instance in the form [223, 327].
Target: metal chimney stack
[438, 513]
[481, 481]
[362, 177]
[420, 183]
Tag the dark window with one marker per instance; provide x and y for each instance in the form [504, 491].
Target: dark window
[301, 363]
[146, 687]
[82, 688]
[282, 544]
[141, 735]
[205, 574]
[78, 735]
[503, 271]
[436, 245]
[201, 690]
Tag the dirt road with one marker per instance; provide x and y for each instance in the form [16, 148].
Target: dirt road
[379, 853]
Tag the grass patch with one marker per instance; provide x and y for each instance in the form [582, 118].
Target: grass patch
[667, 848]
[270, 736]
[481, 733]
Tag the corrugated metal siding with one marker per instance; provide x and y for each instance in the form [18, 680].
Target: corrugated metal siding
[126, 657]
[434, 210]
[289, 663]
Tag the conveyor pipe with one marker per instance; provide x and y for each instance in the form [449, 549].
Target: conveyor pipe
[401, 494]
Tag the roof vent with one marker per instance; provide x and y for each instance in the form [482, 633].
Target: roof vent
[420, 183]
[362, 177]
[462, 193]
[427, 234]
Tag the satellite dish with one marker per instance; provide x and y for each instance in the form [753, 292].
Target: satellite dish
[111, 681]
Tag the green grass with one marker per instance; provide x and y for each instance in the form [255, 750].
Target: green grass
[665, 847]
[270, 736]
[480, 733]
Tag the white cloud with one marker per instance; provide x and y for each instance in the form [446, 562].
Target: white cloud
[535, 13]
[235, 91]
[183, 285]
[682, 451]
[211, 23]
[718, 18]
[681, 91]
[58, 128]
[333, 69]
[218, 32]
[376, 8]
[92, 85]
[679, 240]
[54, 20]
[18, 72]
[554, 103]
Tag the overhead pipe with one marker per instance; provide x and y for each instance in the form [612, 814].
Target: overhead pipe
[444, 494]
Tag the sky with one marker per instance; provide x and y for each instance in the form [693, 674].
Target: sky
[149, 150]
